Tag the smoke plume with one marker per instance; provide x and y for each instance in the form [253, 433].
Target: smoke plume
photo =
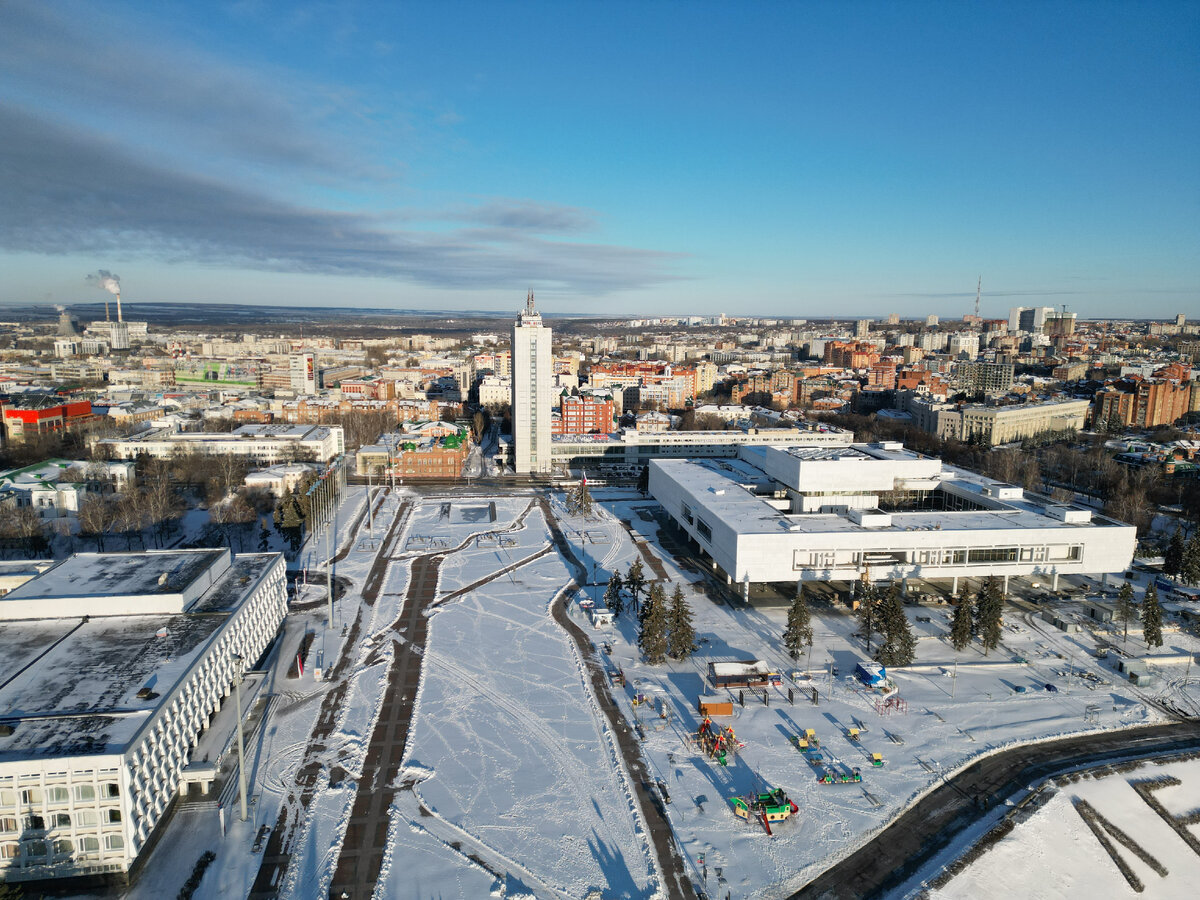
[107, 280]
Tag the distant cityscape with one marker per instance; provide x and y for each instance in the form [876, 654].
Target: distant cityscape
[186, 510]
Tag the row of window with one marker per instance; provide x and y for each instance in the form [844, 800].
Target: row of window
[82, 793]
[39, 850]
[33, 822]
[829, 559]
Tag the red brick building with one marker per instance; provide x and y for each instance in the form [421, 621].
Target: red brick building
[584, 415]
[646, 373]
[851, 354]
[1142, 402]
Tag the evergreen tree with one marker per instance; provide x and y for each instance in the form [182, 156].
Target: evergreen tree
[579, 501]
[264, 538]
[653, 639]
[1173, 558]
[1189, 569]
[635, 583]
[962, 626]
[799, 631]
[612, 595]
[291, 522]
[989, 614]
[899, 647]
[1151, 618]
[1126, 609]
[681, 641]
[656, 596]
[868, 611]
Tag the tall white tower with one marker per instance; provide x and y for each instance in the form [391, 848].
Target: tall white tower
[305, 376]
[532, 391]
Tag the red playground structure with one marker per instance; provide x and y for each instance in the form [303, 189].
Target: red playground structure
[718, 741]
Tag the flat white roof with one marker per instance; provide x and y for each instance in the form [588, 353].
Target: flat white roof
[713, 491]
[116, 574]
[69, 685]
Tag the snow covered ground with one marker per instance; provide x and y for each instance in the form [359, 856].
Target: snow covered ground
[949, 720]
[512, 763]
[511, 758]
[1054, 855]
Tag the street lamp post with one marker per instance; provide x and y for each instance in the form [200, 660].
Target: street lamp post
[370, 514]
[237, 693]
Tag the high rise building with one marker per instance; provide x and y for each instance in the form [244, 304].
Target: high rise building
[303, 372]
[862, 328]
[1180, 320]
[1029, 318]
[931, 321]
[532, 391]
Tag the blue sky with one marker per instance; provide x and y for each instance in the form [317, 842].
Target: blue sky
[795, 159]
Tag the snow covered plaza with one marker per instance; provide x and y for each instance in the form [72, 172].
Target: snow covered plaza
[467, 725]
[112, 666]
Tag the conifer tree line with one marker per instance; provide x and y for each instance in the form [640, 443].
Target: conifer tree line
[881, 612]
[1182, 559]
[665, 626]
[983, 618]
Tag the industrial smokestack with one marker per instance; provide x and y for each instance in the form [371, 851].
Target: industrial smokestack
[110, 282]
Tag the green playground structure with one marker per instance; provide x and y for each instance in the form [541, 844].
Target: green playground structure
[830, 777]
[767, 807]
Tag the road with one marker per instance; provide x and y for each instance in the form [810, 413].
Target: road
[292, 813]
[919, 834]
[365, 843]
[676, 881]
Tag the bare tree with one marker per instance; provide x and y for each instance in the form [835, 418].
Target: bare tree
[233, 515]
[95, 518]
[130, 516]
[24, 528]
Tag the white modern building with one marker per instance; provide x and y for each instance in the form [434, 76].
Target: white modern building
[532, 391]
[797, 514]
[111, 667]
[263, 445]
[305, 378]
[632, 447]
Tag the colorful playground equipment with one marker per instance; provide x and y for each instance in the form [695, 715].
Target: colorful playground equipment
[767, 807]
[877, 759]
[718, 741]
[831, 777]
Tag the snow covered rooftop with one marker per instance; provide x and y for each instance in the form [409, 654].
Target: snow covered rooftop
[114, 583]
[70, 686]
[723, 494]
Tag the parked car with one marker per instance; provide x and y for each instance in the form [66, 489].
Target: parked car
[1051, 688]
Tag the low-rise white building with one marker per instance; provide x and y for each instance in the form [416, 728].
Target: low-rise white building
[795, 514]
[279, 480]
[111, 666]
[56, 487]
[633, 447]
[261, 444]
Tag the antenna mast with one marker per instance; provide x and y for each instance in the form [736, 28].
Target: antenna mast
[978, 290]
